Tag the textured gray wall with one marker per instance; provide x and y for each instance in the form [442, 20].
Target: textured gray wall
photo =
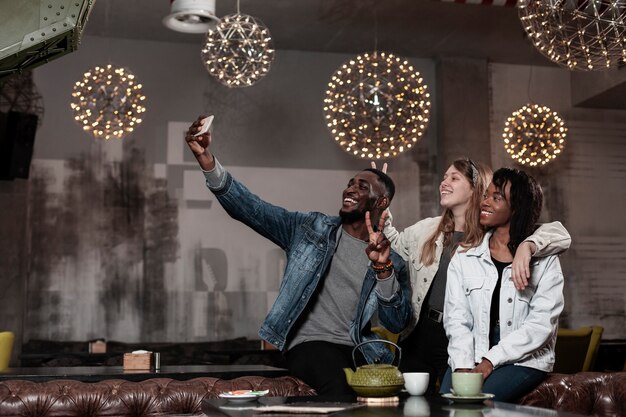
[121, 240]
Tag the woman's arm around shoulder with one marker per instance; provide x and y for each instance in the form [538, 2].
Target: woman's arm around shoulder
[548, 239]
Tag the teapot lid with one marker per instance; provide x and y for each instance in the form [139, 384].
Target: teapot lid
[377, 366]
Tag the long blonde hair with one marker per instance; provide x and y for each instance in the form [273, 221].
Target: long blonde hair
[479, 177]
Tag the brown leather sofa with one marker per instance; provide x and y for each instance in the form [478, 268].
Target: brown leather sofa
[114, 397]
[587, 393]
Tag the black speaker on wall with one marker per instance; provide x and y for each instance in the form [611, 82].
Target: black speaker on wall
[17, 137]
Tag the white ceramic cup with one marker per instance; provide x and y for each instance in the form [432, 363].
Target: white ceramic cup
[467, 384]
[416, 383]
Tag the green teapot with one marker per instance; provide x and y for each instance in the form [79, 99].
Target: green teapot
[375, 380]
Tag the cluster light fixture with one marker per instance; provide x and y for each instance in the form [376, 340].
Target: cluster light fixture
[238, 51]
[376, 106]
[534, 135]
[580, 35]
[108, 102]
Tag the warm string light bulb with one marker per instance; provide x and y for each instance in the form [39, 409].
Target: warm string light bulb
[534, 135]
[108, 102]
[238, 52]
[376, 106]
[579, 35]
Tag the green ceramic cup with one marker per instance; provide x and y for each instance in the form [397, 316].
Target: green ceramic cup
[467, 384]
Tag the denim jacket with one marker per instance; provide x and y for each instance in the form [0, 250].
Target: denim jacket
[310, 241]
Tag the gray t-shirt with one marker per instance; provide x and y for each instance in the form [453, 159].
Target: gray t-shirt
[438, 288]
[330, 312]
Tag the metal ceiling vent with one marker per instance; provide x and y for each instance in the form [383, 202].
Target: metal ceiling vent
[191, 16]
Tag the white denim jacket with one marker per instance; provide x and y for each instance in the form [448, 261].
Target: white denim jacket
[550, 239]
[528, 319]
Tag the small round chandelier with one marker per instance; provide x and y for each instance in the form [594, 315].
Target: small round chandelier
[376, 106]
[108, 102]
[238, 51]
[534, 135]
[577, 34]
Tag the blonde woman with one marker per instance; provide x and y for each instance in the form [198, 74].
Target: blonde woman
[428, 246]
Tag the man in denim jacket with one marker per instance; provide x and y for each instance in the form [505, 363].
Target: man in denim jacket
[330, 289]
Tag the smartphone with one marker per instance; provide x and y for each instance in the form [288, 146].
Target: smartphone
[206, 124]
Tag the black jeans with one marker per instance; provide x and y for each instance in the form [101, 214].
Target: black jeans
[426, 350]
[320, 365]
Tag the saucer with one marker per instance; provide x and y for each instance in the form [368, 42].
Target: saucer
[468, 399]
[243, 397]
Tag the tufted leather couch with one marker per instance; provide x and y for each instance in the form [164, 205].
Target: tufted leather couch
[114, 397]
[587, 393]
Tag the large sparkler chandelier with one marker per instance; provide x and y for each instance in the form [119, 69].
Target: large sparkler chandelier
[376, 106]
[534, 135]
[577, 34]
[238, 51]
[108, 102]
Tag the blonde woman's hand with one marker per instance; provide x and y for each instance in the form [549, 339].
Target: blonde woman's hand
[383, 169]
[520, 268]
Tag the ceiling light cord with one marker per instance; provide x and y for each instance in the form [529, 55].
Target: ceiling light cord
[375, 11]
[530, 77]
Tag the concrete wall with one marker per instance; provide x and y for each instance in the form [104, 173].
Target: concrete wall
[121, 240]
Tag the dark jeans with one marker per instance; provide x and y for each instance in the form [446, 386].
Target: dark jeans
[508, 382]
[426, 350]
[320, 365]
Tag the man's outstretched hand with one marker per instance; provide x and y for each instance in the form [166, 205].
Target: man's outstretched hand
[199, 145]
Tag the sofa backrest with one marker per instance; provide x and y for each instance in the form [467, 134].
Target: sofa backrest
[587, 393]
[120, 398]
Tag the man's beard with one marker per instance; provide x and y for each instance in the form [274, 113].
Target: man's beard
[356, 215]
[351, 216]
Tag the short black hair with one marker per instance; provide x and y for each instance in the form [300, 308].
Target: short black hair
[390, 187]
[526, 200]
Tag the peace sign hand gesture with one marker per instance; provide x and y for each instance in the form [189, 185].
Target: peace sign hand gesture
[379, 247]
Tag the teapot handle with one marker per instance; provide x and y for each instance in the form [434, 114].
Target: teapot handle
[399, 355]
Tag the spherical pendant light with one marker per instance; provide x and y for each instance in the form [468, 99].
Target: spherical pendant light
[534, 135]
[108, 102]
[238, 52]
[376, 106]
[577, 34]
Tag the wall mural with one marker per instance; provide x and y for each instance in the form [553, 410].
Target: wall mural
[101, 236]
